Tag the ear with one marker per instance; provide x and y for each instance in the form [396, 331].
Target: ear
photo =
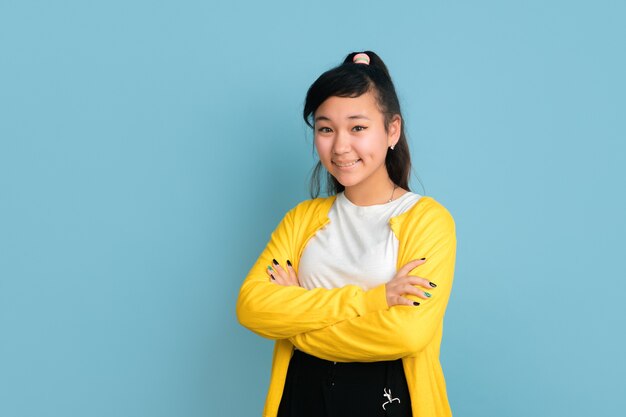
[393, 132]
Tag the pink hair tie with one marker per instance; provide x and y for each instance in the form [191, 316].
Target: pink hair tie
[361, 58]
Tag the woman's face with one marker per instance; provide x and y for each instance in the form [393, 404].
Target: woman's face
[351, 141]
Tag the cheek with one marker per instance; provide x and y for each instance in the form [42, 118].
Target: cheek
[322, 148]
[373, 149]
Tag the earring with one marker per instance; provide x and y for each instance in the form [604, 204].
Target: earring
[392, 147]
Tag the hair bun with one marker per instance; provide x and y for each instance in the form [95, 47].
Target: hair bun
[361, 58]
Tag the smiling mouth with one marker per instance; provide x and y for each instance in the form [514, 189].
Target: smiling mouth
[346, 164]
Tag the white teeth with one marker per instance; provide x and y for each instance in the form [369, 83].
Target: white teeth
[347, 165]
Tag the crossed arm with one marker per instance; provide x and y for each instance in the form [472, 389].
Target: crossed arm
[349, 324]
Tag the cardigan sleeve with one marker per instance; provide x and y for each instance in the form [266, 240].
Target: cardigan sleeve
[399, 331]
[279, 312]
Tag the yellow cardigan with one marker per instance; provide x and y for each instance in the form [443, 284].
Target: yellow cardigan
[349, 324]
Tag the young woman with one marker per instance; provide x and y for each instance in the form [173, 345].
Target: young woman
[354, 286]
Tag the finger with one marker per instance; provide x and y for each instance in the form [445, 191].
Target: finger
[425, 295]
[422, 282]
[292, 272]
[410, 266]
[409, 289]
[410, 302]
[403, 301]
[279, 269]
[274, 275]
[270, 273]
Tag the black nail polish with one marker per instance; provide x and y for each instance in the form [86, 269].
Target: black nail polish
[415, 303]
[272, 276]
[288, 262]
[275, 261]
[432, 284]
[422, 259]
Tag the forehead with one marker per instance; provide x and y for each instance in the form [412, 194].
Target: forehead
[336, 108]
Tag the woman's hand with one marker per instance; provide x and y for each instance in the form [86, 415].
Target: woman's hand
[281, 276]
[403, 284]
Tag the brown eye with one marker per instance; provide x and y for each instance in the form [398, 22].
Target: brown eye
[324, 129]
[359, 128]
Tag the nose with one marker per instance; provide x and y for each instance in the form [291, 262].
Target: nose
[341, 144]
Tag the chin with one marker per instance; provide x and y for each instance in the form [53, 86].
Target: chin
[346, 179]
[347, 182]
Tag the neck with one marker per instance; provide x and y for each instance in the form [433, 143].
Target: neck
[372, 191]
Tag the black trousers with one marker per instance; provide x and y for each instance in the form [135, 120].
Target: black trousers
[319, 388]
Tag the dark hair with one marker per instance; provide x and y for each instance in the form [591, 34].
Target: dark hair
[352, 80]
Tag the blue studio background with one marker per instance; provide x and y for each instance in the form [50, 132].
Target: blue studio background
[148, 149]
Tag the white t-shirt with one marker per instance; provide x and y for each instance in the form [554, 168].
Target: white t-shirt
[356, 247]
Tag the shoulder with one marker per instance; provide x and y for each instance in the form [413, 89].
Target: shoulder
[314, 208]
[427, 214]
[304, 217]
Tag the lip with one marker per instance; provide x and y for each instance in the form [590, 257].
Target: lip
[344, 165]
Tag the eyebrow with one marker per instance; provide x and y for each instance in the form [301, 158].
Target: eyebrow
[356, 116]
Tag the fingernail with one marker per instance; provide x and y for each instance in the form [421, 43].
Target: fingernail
[275, 261]
[426, 294]
[432, 284]
[422, 259]
[288, 262]
[272, 276]
[415, 303]
[269, 268]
